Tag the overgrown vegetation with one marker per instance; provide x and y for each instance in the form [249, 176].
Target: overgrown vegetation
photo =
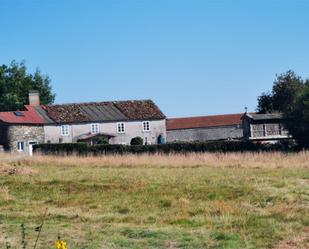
[217, 146]
[236, 200]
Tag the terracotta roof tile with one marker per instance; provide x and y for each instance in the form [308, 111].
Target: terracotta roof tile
[29, 116]
[140, 109]
[204, 121]
[104, 111]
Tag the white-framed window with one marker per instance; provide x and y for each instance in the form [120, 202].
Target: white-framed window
[21, 146]
[65, 130]
[120, 127]
[94, 128]
[146, 126]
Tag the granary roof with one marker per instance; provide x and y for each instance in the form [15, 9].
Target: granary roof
[204, 121]
[87, 112]
[267, 116]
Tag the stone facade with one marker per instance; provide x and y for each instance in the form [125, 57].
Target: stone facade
[132, 129]
[205, 134]
[22, 133]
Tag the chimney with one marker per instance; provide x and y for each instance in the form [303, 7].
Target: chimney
[34, 98]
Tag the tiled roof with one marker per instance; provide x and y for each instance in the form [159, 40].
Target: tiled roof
[90, 136]
[86, 112]
[29, 116]
[104, 111]
[140, 109]
[204, 121]
[267, 116]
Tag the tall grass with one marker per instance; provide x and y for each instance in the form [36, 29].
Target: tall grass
[197, 200]
[248, 160]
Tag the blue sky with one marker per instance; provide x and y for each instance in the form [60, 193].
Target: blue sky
[191, 57]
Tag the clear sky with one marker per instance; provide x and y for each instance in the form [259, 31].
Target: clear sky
[191, 57]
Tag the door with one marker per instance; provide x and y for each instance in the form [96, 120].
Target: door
[31, 143]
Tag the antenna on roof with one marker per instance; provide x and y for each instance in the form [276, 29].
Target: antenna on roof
[246, 109]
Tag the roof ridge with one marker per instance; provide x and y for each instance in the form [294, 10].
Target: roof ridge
[218, 115]
[99, 102]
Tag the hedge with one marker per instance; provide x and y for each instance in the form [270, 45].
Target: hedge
[218, 146]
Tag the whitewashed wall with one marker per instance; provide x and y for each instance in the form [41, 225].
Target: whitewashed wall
[132, 129]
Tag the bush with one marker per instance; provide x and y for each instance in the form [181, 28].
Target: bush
[218, 146]
[136, 141]
[102, 141]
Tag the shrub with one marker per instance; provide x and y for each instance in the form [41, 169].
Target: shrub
[136, 141]
[103, 141]
[216, 146]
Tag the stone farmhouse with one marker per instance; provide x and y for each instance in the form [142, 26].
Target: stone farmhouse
[119, 121]
[116, 121]
[205, 128]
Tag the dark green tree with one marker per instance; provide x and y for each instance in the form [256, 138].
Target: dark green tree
[15, 84]
[286, 88]
[297, 120]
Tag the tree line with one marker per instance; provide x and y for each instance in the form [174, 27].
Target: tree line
[289, 95]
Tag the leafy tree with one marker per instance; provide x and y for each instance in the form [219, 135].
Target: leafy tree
[297, 120]
[286, 88]
[15, 84]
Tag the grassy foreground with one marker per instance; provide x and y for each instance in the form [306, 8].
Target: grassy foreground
[193, 201]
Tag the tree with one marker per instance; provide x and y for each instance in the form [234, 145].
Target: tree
[297, 119]
[15, 84]
[286, 88]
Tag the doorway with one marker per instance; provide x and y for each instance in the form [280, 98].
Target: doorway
[31, 143]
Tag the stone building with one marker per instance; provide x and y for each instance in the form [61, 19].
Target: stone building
[205, 128]
[116, 122]
[21, 129]
[264, 127]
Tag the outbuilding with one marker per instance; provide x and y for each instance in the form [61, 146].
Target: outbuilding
[205, 128]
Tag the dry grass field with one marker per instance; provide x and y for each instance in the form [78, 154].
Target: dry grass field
[235, 200]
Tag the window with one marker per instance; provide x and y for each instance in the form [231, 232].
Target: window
[19, 114]
[120, 128]
[21, 146]
[65, 130]
[146, 126]
[94, 128]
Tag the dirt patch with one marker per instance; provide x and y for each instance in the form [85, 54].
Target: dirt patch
[298, 242]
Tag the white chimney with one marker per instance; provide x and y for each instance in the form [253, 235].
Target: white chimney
[34, 98]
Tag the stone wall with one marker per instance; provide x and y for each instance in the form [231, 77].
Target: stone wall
[205, 134]
[24, 133]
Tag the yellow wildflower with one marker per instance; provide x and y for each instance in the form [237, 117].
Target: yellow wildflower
[58, 244]
[63, 245]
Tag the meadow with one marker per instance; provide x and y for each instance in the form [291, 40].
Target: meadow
[208, 200]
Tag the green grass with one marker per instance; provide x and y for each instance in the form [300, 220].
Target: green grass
[154, 207]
